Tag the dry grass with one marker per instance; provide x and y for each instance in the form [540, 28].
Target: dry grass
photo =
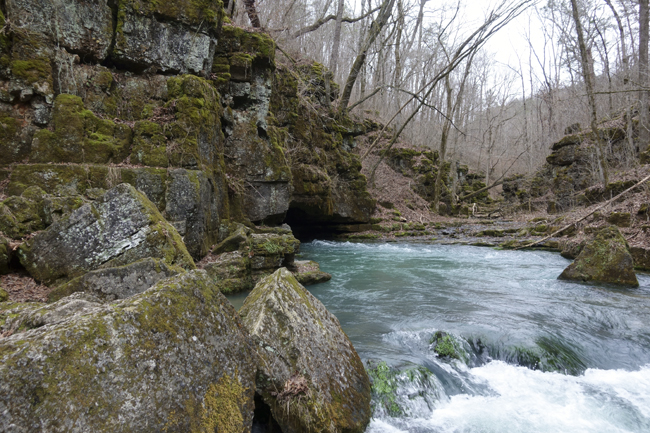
[23, 288]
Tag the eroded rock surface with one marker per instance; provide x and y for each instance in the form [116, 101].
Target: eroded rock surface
[121, 228]
[310, 375]
[118, 283]
[174, 358]
[605, 259]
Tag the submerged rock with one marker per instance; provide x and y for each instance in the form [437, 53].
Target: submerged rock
[118, 283]
[310, 375]
[121, 228]
[605, 259]
[174, 358]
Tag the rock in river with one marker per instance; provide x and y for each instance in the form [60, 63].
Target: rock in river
[605, 259]
[310, 375]
[175, 358]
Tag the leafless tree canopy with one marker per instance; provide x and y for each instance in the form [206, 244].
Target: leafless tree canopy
[397, 60]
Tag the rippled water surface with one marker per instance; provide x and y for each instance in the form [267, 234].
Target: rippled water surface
[539, 355]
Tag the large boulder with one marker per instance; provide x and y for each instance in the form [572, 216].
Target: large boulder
[174, 358]
[605, 259]
[120, 228]
[310, 375]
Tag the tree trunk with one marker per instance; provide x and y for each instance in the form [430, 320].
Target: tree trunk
[336, 41]
[375, 29]
[587, 73]
[626, 83]
[443, 143]
[644, 125]
[252, 13]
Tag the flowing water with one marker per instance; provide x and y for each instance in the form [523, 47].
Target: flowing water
[535, 354]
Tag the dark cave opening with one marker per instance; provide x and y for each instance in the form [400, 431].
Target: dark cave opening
[263, 421]
[307, 227]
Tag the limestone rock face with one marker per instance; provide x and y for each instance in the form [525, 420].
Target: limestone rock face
[311, 377]
[605, 259]
[83, 27]
[121, 228]
[118, 283]
[174, 358]
[178, 37]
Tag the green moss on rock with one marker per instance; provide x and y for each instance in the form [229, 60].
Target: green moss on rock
[605, 259]
[80, 136]
[182, 358]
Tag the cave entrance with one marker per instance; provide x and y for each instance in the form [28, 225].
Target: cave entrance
[263, 421]
[307, 227]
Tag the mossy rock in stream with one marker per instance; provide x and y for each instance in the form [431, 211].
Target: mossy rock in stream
[605, 259]
[447, 346]
[309, 373]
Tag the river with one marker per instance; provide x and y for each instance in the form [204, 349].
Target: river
[536, 354]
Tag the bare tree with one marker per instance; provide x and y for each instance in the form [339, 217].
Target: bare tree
[644, 131]
[588, 75]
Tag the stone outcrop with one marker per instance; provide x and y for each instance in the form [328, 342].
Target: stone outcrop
[118, 283]
[569, 169]
[310, 375]
[233, 140]
[247, 255]
[120, 228]
[604, 259]
[174, 358]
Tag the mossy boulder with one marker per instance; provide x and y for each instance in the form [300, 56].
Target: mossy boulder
[230, 271]
[641, 257]
[620, 219]
[4, 296]
[5, 255]
[571, 248]
[174, 358]
[309, 374]
[118, 283]
[308, 272]
[269, 250]
[121, 228]
[604, 259]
